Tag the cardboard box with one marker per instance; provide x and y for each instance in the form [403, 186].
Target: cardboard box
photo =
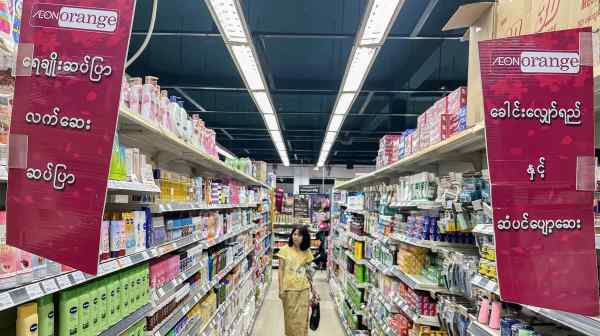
[508, 18]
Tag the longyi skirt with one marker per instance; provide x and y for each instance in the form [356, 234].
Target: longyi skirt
[295, 312]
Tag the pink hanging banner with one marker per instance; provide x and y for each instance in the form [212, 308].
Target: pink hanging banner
[539, 123]
[70, 68]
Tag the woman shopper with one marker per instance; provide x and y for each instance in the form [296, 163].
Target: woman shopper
[295, 282]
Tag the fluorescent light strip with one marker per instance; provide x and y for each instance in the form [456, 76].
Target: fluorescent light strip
[335, 123]
[230, 21]
[359, 68]
[249, 67]
[380, 16]
[344, 103]
[263, 102]
[375, 28]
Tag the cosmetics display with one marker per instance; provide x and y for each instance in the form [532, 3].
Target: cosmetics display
[145, 98]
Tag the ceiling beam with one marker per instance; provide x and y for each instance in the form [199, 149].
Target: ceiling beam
[316, 91]
[305, 114]
[276, 35]
[423, 19]
[227, 134]
[317, 130]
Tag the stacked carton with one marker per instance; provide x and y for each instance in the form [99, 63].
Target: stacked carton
[388, 150]
[444, 118]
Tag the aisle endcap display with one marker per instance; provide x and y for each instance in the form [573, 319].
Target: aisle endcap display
[153, 139]
[468, 141]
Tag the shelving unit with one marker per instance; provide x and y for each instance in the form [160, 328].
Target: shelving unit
[135, 131]
[468, 141]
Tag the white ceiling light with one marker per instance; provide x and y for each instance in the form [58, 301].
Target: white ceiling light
[263, 102]
[359, 67]
[229, 20]
[271, 121]
[375, 27]
[378, 21]
[247, 62]
[335, 123]
[330, 137]
[231, 23]
[344, 102]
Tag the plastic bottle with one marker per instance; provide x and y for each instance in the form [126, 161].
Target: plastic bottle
[46, 315]
[27, 320]
[68, 313]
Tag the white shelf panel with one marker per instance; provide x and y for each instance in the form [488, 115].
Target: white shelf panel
[357, 261]
[486, 284]
[132, 187]
[418, 282]
[189, 206]
[467, 141]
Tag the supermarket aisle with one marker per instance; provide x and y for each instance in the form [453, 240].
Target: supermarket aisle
[270, 319]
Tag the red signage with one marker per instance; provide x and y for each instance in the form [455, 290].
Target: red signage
[70, 67]
[539, 118]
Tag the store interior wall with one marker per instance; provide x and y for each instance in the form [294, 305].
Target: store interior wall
[303, 173]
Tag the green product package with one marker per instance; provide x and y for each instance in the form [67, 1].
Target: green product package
[46, 316]
[68, 306]
[125, 291]
[102, 306]
[360, 273]
[111, 306]
[118, 299]
[95, 307]
[133, 303]
[84, 311]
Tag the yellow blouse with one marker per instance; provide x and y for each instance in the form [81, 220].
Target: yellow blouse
[297, 265]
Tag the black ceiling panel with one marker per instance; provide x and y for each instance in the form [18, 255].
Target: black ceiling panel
[303, 47]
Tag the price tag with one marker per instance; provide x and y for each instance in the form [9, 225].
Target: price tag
[78, 277]
[161, 292]
[491, 286]
[6, 301]
[50, 286]
[63, 281]
[125, 262]
[145, 255]
[34, 291]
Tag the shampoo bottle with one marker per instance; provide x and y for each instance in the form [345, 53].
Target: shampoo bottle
[84, 311]
[27, 320]
[68, 313]
[46, 315]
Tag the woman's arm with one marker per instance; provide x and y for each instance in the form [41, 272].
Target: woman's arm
[280, 272]
[309, 274]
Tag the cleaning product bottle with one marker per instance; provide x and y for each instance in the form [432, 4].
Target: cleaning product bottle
[46, 315]
[102, 306]
[68, 313]
[27, 320]
[84, 311]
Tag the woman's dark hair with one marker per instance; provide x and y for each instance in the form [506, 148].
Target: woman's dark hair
[305, 244]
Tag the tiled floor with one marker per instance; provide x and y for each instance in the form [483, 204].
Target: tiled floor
[270, 318]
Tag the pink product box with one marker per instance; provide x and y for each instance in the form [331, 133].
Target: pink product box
[439, 128]
[457, 100]
[439, 107]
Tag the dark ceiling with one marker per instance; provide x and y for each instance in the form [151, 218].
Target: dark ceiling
[303, 48]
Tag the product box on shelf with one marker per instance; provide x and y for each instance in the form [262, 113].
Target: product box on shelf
[507, 18]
